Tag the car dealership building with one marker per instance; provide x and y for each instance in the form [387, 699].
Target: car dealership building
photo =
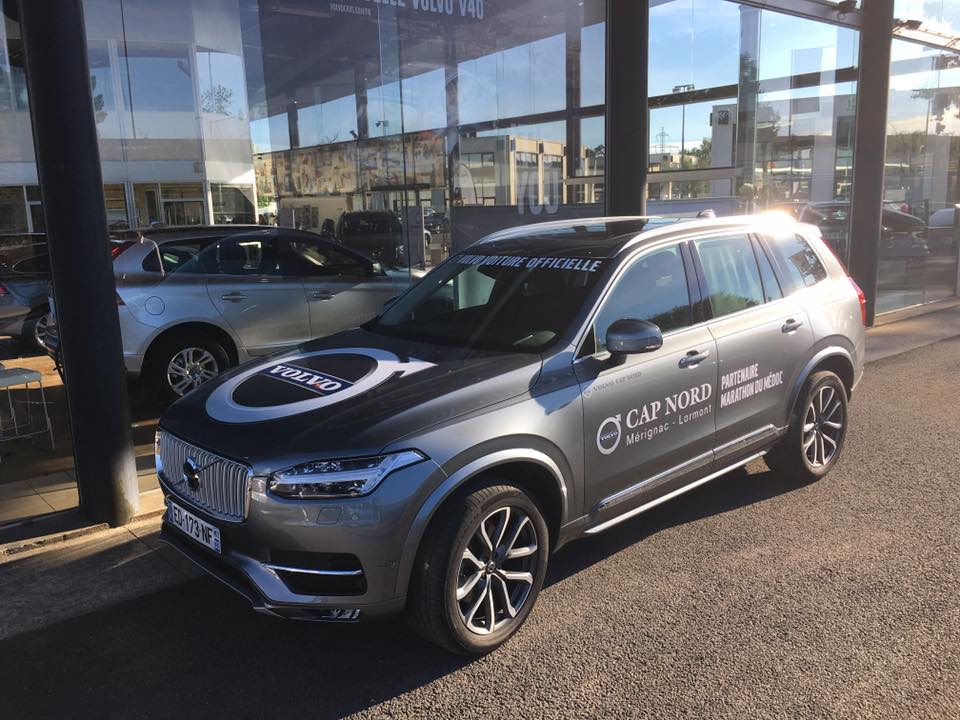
[480, 114]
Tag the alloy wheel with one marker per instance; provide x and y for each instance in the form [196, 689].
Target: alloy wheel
[822, 427]
[497, 570]
[40, 331]
[190, 368]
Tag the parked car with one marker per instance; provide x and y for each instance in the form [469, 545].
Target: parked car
[27, 283]
[941, 237]
[195, 302]
[548, 383]
[902, 235]
[378, 234]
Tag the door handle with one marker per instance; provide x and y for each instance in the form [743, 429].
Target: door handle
[322, 295]
[791, 325]
[693, 358]
[233, 297]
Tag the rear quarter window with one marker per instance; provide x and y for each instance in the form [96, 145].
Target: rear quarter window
[799, 260]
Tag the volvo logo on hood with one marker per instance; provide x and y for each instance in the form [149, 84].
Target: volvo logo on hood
[302, 382]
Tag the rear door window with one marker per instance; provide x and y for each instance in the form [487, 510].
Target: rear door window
[241, 255]
[731, 272]
[172, 256]
[306, 257]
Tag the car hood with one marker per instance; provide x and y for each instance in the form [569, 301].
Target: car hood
[348, 395]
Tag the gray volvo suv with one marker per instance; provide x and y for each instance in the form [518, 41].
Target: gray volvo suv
[546, 384]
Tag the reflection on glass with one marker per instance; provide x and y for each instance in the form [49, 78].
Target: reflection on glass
[918, 244]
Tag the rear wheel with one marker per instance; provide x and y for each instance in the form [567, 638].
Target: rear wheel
[185, 361]
[814, 441]
[480, 570]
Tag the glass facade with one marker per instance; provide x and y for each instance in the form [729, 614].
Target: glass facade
[750, 110]
[918, 245]
[407, 129]
[458, 118]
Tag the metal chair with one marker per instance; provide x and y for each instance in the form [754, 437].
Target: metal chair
[23, 427]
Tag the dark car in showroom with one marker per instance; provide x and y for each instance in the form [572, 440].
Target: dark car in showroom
[26, 283]
[379, 235]
[902, 235]
[546, 384]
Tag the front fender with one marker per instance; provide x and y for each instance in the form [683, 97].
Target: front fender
[457, 479]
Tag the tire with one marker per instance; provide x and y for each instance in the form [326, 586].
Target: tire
[31, 334]
[444, 565]
[204, 358]
[819, 420]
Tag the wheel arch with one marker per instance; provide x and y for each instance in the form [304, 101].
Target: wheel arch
[532, 470]
[834, 358]
[207, 328]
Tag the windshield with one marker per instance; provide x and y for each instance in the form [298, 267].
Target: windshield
[493, 302]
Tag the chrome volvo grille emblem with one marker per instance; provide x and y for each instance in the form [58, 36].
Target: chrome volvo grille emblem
[191, 473]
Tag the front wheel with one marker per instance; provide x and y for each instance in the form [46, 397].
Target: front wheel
[814, 440]
[183, 362]
[480, 570]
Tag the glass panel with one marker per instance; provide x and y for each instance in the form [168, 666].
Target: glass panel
[918, 244]
[750, 108]
[232, 204]
[13, 210]
[146, 200]
[116, 202]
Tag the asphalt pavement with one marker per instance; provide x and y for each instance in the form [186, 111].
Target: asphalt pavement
[750, 597]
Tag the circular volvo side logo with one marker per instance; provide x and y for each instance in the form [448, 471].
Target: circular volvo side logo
[608, 435]
[191, 474]
[302, 382]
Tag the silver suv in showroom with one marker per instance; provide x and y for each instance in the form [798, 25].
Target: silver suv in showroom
[195, 301]
[546, 384]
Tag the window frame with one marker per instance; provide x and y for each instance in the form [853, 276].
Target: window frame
[693, 293]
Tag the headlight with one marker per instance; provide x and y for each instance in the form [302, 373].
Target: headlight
[339, 478]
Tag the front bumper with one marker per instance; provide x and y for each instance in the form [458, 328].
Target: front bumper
[299, 559]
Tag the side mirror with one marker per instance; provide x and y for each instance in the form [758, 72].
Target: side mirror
[629, 336]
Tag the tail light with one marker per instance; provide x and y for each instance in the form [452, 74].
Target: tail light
[3, 291]
[863, 300]
[117, 248]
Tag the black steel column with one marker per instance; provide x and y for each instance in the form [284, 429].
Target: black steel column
[68, 165]
[627, 138]
[869, 150]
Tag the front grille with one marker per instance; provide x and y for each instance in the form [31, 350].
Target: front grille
[224, 485]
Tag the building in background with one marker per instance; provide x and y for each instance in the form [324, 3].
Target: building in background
[481, 115]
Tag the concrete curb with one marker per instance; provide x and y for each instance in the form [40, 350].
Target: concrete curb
[18, 547]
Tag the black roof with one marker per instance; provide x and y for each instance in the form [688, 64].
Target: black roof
[587, 237]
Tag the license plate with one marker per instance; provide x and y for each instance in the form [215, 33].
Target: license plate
[203, 532]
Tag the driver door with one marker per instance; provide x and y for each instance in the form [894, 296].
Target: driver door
[648, 417]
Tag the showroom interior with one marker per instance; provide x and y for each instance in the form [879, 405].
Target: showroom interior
[452, 118]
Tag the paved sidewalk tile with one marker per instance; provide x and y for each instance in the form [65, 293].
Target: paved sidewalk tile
[83, 575]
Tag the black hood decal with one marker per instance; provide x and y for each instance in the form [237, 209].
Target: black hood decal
[304, 381]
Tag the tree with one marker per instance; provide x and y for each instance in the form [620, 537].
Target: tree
[217, 100]
[99, 113]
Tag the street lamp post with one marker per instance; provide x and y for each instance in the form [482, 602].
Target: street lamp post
[683, 117]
